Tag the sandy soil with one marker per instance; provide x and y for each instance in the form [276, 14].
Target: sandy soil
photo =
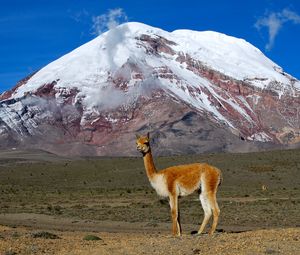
[19, 240]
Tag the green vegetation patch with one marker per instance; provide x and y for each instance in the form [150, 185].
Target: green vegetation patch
[91, 238]
[10, 253]
[45, 235]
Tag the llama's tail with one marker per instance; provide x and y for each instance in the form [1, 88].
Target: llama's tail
[220, 178]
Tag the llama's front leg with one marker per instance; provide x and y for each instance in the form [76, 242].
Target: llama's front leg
[176, 230]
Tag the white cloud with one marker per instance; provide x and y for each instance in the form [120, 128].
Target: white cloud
[109, 20]
[290, 16]
[79, 16]
[108, 96]
[274, 21]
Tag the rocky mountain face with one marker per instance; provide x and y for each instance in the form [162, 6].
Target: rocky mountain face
[193, 91]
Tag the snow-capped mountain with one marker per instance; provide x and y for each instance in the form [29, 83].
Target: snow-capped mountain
[194, 91]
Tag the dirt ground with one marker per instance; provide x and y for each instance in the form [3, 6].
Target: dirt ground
[20, 240]
[112, 199]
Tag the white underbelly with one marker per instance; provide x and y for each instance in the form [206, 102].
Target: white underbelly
[183, 191]
[160, 185]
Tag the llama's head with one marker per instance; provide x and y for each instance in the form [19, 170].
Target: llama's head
[143, 143]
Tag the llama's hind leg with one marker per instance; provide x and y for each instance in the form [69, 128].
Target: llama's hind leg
[216, 212]
[207, 210]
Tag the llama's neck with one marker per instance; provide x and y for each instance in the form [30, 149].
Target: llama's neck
[149, 165]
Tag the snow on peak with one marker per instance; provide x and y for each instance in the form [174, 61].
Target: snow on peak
[91, 64]
[232, 56]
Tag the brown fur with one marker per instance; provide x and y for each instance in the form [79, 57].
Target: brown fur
[183, 180]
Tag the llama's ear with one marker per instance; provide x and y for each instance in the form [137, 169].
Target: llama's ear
[148, 135]
[137, 136]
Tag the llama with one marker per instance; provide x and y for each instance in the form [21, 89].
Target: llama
[183, 180]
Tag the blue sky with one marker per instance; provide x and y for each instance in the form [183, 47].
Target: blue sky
[34, 33]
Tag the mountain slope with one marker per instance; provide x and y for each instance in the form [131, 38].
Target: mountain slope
[195, 91]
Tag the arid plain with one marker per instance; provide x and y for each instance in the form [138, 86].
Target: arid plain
[71, 198]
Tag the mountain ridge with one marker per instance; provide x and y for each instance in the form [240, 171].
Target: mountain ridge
[103, 90]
